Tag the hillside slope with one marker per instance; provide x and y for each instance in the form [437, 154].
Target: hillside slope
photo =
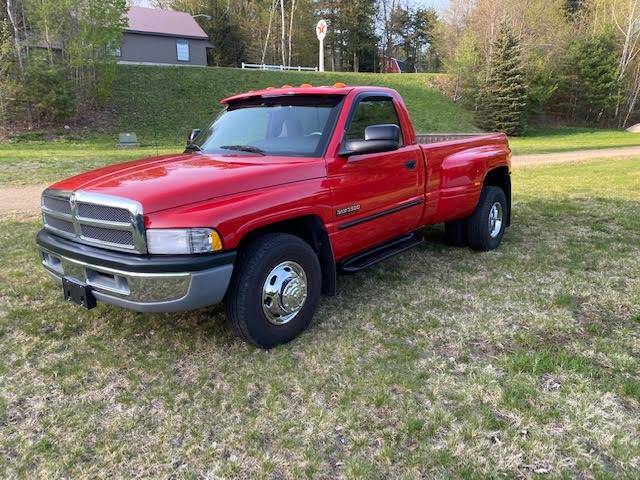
[167, 102]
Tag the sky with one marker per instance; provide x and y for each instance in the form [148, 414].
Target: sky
[437, 4]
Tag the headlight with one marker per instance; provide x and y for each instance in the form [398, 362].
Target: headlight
[183, 240]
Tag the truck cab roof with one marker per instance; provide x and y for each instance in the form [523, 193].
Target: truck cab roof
[304, 89]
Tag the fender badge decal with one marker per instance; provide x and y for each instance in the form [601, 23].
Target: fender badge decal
[347, 210]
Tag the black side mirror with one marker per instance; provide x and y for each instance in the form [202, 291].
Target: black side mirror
[194, 133]
[377, 139]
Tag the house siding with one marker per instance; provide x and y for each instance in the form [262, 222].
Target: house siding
[148, 48]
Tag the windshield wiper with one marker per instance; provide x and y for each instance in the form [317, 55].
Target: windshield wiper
[244, 148]
[192, 147]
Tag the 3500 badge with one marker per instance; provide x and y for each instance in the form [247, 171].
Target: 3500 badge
[346, 210]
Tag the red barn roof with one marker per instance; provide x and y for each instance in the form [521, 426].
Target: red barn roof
[163, 22]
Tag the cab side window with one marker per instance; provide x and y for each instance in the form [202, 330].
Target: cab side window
[372, 111]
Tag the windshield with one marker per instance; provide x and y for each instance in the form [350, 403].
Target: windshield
[298, 126]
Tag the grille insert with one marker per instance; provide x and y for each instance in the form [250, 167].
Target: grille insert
[106, 214]
[57, 205]
[59, 224]
[122, 238]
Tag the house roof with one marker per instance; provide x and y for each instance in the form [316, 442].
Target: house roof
[163, 22]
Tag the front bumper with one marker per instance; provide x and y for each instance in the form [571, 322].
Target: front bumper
[144, 283]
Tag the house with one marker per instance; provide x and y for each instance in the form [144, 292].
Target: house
[162, 37]
[393, 65]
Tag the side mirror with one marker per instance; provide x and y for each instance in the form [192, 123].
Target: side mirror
[194, 133]
[377, 139]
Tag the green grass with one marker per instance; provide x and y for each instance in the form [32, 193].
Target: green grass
[32, 162]
[162, 104]
[442, 362]
[170, 101]
[563, 139]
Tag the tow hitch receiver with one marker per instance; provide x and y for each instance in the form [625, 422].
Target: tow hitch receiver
[78, 293]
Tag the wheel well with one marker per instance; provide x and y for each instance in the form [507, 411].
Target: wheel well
[311, 230]
[500, 177]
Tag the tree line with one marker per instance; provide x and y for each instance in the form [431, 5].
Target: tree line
[281, 32]
[569, 61]
[57, 62]
[511, 61]
[56, 57]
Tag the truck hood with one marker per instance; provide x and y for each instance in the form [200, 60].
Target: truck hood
[160, 183]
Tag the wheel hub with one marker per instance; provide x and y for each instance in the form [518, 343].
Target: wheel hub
[495, 220]
[284, 292]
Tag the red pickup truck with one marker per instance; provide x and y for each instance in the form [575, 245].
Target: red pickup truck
[284, 190]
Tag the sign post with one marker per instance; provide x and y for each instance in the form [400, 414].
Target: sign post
[321, 32]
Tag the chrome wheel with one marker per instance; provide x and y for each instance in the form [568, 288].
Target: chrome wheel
[284, 292]
[495, 220]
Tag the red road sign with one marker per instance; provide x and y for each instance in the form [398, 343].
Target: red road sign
[321, 29]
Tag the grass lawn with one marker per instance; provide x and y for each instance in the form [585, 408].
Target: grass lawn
[170, 101]
[442, 362]
[552, 140]
[24, 163]
[31, 162]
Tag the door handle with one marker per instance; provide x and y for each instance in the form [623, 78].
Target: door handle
[410, 164]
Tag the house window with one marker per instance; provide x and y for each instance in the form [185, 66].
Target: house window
[182, 47]
[115, 49]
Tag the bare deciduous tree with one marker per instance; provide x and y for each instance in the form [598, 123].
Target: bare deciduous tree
[387, 8]
[283, 31]
[624, 16]
[266, 40]
[17, 24]
[291, 16]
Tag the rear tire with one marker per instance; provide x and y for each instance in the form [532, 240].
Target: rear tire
[274, 290]
[485, 227]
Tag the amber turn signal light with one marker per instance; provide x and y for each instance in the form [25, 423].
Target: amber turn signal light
[216, 241]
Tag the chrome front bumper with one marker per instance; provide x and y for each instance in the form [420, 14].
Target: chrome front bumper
[183, 287]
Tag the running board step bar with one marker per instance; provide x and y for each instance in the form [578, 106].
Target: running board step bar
[382, 252]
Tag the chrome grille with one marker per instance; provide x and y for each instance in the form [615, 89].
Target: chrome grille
[107, 235]
[95, 219]
[100, 212]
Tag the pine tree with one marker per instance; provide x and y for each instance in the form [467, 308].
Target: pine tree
[503, 97]
[589, 85]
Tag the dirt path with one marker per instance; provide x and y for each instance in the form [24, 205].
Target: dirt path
[21, 202]
[574, 156]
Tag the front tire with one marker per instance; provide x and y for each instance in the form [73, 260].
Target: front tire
[274, 290]
[486, 226]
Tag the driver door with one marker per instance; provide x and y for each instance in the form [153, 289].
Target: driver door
[377, 196]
